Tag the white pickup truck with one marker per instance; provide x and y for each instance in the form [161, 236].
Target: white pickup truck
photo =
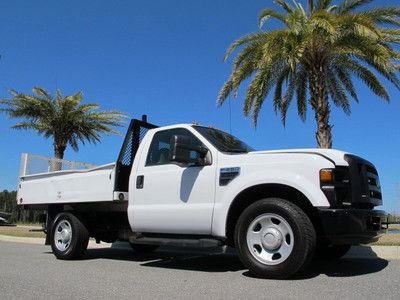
[189, 185]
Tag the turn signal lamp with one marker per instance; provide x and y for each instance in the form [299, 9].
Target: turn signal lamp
[326, 175]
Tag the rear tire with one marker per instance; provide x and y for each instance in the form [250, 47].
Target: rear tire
[274, 238]
[140, 248]
[331, 252]
[69, 237]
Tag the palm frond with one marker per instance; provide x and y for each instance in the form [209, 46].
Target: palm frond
[286, 6]
[322, 4]
[41, 92]
[349, 5]
[270, 13]
[244, 40]
[366, 76]
[301, 93]
[384, 15]
[259, 88]
[281, 79]
[345, 78]
[310, 6]
[337, 92]
[287, 98]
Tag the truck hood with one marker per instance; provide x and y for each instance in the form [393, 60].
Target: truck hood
[336, 156]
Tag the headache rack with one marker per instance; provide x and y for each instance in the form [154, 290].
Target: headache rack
[136, 131]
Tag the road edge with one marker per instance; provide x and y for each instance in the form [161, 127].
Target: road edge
[40, 241]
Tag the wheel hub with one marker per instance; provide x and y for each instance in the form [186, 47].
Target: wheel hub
[271, 239]
[65, 235]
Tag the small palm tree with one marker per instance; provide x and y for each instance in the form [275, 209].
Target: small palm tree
[62, 118]
[314, 58]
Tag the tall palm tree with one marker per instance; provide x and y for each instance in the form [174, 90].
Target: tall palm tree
[63, 118]
[314, 58]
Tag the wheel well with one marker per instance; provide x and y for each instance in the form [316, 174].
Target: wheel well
[103, 225]
[257, 192]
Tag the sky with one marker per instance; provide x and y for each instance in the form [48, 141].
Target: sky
[165, 59]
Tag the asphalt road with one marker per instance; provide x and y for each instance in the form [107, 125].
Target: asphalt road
[32, 272]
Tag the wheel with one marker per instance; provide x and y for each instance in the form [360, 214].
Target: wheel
[331, 252]
[140, 248]
[274, 238]
[69, 237]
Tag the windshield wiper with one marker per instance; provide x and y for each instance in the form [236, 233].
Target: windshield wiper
[236, 150]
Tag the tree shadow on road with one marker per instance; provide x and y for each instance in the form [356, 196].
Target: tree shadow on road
[216, 261]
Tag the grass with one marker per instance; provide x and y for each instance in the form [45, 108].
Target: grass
[29, 224]
[20, 231]
[395, 226]
[388, 240]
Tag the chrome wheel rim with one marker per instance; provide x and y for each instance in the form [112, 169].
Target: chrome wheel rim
[270, 239]
[63, 235]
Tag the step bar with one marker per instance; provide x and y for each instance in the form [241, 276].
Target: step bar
[176, 241]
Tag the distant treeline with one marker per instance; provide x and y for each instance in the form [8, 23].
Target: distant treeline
[393, 218]
[8, 204]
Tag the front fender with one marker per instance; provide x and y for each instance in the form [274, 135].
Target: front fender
[225, 195]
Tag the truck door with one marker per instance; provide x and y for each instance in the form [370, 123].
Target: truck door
[172, 198]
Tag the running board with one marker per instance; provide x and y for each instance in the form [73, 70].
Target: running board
[178, 242]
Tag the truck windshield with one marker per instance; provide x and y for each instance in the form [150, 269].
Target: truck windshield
[223, 141]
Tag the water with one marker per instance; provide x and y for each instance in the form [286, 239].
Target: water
[393, 231]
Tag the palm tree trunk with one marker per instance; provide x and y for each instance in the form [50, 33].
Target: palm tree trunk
[320, 105]
[59, 150]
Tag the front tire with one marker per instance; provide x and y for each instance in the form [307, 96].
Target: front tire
[274, 238]
[69, 237]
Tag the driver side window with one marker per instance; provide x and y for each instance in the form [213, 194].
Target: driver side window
[159, 152]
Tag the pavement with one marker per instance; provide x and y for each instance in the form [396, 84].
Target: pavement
[30, 271]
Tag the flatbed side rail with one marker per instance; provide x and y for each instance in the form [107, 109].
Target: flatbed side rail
[32, 164]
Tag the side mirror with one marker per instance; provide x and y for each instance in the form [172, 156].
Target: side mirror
[181, 147]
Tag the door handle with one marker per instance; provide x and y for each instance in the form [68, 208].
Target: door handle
[139, 182]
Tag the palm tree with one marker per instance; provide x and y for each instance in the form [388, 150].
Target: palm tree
[63, 118]
[315, 57]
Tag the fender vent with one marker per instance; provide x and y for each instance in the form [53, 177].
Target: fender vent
[226, 175]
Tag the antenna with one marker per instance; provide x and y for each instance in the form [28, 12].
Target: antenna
[230, 116]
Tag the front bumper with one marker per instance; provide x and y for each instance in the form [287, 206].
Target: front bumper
[351, 226]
